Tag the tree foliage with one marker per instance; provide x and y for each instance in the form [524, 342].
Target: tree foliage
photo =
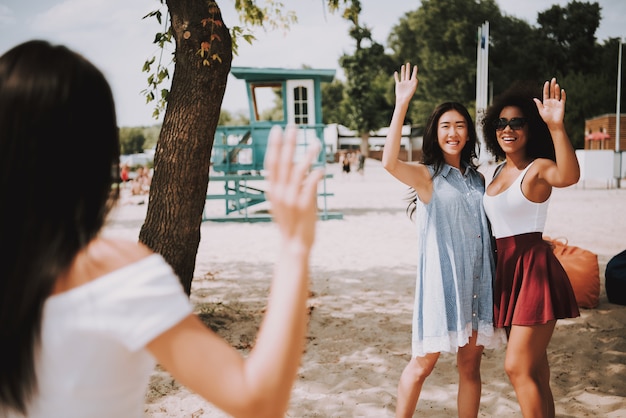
[237, 119]
[440, 37]
[365, 94]
[367, 72]
[132, 140]
[570, 34]
[334, 99]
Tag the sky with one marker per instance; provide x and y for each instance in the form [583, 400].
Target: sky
[113, 35]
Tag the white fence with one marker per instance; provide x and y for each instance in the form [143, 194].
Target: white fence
[601, 167]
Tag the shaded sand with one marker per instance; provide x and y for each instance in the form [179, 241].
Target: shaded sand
[363, 272]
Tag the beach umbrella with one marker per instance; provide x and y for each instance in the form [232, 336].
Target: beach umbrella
[597, 136]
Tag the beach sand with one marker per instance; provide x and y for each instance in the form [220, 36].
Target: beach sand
[362, 282]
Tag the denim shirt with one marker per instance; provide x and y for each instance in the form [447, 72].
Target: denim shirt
[455, 267]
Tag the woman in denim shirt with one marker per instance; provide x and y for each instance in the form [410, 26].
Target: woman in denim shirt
[453, 295]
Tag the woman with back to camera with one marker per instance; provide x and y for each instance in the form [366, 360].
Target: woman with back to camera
[532, 290]
[83, 318]
[453, 295]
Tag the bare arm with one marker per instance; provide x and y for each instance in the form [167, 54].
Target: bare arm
[259, 386]
[411, 174]
[565, 171]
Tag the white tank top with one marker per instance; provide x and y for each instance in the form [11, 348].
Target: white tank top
[511, 213]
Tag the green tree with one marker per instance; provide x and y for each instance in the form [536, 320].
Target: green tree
[333, 102]
[152, 135]
[132, 140]
[440, 37]
[367, 72]
[566, 42]
[515, 53]
[229, 119]
[570, 32]
[593, 92]
[274, 112]
[606, 64]
[203, 50]
[563, 46]
[585, 96]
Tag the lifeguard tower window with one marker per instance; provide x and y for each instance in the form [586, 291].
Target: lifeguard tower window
[267, 99]
[300, 105]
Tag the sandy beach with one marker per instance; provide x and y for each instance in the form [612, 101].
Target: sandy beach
[362, 281]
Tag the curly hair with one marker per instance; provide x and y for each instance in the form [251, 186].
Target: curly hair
[519, 95]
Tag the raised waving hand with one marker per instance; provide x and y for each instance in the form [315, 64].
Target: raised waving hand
[292, 189]
[552, 108]
[406, 83]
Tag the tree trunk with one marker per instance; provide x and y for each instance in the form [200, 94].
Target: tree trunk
[365, 144]
[181, 163]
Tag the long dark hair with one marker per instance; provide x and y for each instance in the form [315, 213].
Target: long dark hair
[59, 158]
[521, 93]
[431, 151]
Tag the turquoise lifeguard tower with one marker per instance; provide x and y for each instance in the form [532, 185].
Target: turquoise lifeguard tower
[276, 96]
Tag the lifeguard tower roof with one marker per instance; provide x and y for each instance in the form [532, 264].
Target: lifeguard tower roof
[277, 74]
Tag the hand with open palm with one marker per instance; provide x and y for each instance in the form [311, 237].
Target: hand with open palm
[406, 83]
[552, 108]
[292, 189]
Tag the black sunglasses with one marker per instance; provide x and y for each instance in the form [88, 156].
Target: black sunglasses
[515, 123]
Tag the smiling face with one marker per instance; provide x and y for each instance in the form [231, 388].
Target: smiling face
[452, 135]
[512, 140]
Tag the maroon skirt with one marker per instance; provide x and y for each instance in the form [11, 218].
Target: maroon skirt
[531, 286]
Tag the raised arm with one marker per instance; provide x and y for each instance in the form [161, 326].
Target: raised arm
[259, 386]
[411, 174]
[566, 170]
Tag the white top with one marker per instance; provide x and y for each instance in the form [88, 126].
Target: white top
[93, 362]
[511, 213]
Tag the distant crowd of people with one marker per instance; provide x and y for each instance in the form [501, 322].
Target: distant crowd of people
[139, 182]
[348, 159]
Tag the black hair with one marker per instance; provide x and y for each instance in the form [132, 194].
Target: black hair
[59, 161]
[521, 93]
[431, 151]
